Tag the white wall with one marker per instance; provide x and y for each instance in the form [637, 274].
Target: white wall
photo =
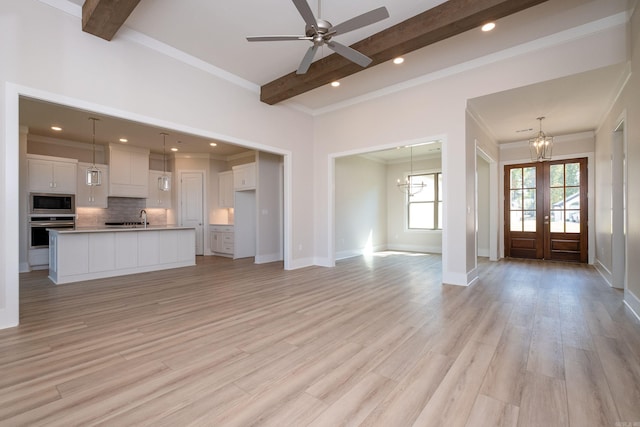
[124, 79]
[269, 208]
[627, 107]
[483, 206]
[360, 206]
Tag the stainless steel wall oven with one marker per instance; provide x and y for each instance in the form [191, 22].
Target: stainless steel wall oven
[38, 234]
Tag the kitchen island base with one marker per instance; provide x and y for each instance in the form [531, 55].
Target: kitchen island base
[76, 255]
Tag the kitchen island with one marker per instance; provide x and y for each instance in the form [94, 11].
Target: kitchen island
[94, 253]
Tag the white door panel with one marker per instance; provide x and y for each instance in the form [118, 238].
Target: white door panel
[192, 202]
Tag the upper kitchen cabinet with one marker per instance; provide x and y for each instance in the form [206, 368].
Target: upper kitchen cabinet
[225, 189]
[128, 171]
[51, 174]
[244, 177]
[157, 197]
[92, 196]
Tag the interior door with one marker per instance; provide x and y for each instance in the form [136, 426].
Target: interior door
[546, 210]
[191, 206]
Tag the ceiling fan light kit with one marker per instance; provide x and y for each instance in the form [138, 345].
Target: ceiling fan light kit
[320, 32]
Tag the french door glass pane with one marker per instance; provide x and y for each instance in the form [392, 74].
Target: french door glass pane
[529, 178]
[556, 175]
[516, 221]
[557, 221]
[516, 178]
[516, 199]
[529, 220]
[529, 199]
[572, 174]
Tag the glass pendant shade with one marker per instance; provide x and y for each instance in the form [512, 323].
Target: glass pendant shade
[541, 146]
[164, 183]
[94, 175]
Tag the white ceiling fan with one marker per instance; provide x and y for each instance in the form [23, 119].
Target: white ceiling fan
[320, 32]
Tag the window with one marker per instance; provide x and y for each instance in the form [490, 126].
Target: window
[424, 209]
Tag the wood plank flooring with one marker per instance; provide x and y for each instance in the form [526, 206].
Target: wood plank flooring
[375, 341]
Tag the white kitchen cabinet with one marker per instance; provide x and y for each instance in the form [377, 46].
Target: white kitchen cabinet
[158, 198]
[92, 196]
[222, 239]
[51, 174]
[225, 189]
[244, 177]
[128, 171]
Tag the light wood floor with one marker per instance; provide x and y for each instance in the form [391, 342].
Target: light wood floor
[373, 342]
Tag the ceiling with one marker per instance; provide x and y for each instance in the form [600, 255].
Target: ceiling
[215, 33]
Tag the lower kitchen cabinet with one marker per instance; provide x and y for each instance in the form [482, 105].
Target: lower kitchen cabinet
[222, 240]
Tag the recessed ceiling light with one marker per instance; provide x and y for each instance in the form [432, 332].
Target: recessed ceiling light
[56, 128]
[124, 140]
[174, 149]
[335, 84]
[399, 60]
[488, 26]
[213, 144]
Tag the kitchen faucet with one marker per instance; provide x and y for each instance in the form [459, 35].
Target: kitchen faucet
[143, 215]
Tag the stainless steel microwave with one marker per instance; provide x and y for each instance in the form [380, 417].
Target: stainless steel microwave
[46, 203]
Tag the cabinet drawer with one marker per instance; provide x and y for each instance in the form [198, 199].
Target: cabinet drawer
[222, 228]
[227, 238]
[227, 248]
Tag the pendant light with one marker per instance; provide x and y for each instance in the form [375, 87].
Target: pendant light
[94, 175]
[164, 182]
[407, 186]
[541, 146]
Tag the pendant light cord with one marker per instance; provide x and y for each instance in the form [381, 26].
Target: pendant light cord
[93, 119]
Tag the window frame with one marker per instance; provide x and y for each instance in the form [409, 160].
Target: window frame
[437, 201]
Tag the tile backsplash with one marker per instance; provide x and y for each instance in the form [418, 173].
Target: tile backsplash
[120, 209]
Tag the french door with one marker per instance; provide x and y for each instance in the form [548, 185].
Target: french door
[545, 210]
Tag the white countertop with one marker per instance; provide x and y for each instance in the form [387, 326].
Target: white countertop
[116, 229]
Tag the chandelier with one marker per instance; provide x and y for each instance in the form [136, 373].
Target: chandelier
[409, 185]
[94, 175]
[541, 146]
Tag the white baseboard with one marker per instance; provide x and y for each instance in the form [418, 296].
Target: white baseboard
[633, 302]
[458, 279]
[472, 277]
[416, 248]
[24, 267]
[347, 254]
[604, 272]
[300, 263]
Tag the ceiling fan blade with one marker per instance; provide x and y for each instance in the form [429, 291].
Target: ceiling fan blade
[360, 21]
[351, 54]
[305, 11]
[276, 38]
[306, 61]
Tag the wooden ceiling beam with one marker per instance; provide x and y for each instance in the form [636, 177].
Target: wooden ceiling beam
[439, 23]
[103, 18]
